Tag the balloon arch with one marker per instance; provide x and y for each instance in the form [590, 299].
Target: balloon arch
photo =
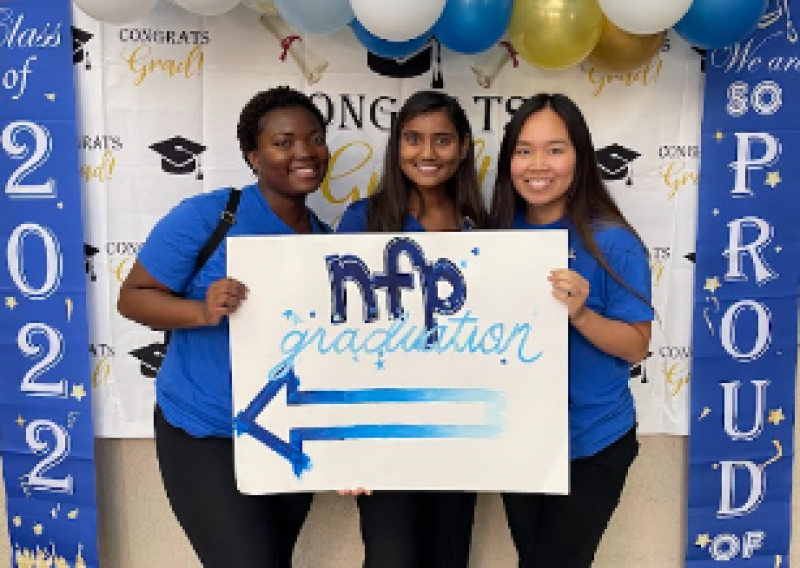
[613, 35]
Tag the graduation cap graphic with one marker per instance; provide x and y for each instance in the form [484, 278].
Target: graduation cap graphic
[640, 369]
[180, 155]
[89, 252]
[430, 56]
[79, 53]
[703, 57]
[614, 162]
[150, 358]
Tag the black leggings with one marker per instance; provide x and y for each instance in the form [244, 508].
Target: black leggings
[226, 528]
[555, 531]
[404, 529]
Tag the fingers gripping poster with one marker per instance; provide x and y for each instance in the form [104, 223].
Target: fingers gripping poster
[399, 362]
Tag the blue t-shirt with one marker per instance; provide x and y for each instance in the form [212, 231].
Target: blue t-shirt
[601, 406]
[193, 387]
[354, 220]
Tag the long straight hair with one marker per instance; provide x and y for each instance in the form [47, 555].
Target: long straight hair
[388, 207]
[589, 203]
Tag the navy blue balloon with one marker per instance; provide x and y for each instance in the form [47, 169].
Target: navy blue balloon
[712, 24]
[472, 26]
[386, 48]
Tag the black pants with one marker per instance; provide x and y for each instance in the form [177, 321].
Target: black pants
[553, 531]
[403, 529]
[226, 528]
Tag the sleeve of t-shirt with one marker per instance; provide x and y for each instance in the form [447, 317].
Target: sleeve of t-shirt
[354, 219]
[170, 251]
[629, 261]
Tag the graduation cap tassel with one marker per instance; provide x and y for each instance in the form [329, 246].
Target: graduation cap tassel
[199, 170]
[88, 62]
[438, 80]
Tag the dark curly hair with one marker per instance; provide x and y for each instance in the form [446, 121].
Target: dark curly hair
[249, 126]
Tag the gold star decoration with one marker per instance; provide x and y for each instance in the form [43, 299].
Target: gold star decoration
[715, 212]
[20, 421]
[17, 521]
[38, 529]
[11, 302]
[773, 179]
[778, 248]
[702, 540]
[73, 514]
[78, 392]
[712, 284]
[719, 136]
[776, 416]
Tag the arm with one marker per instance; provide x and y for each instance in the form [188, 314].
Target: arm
[621, 339]
[145, 300]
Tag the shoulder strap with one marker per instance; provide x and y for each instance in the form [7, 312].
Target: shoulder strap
[323, 227]
[226, 221]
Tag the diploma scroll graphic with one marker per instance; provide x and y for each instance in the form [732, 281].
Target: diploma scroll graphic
[310, 63]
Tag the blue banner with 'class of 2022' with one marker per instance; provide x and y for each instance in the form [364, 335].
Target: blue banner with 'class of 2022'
[46, 433]
[745, 313]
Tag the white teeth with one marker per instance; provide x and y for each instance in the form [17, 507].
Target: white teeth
[538, 183]
[427, 168]
[305, 171]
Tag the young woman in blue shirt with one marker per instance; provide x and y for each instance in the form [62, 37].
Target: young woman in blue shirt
[429, 183]
[282, 138]
[548, 178]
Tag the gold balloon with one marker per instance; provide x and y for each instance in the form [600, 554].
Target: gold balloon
[555, 34]
[619, 51]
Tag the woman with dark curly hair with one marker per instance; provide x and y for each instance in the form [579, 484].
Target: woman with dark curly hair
[282, 137]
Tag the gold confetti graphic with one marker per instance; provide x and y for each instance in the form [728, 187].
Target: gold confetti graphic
[11, 302]
[68, 302]
[778, 455]
[776, 416]
[706, 412]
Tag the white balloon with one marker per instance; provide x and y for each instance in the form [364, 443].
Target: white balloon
[116, 11]
[644, 16]
[397, 20]
[207, 7]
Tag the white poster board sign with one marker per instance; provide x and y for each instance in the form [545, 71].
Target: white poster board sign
[413, 361]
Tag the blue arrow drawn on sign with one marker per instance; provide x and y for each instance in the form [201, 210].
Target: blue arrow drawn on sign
[292, 451]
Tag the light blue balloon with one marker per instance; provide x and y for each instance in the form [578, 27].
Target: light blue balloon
[712, 24]
[472, 26]
[386, 48]
[316, 16]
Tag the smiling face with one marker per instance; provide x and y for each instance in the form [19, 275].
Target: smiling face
[430, 151]
[543, 166]
[292, 156]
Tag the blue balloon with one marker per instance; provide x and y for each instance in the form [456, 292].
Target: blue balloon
[712, 24]
[315, 16]
[386, 48]
[472, 26]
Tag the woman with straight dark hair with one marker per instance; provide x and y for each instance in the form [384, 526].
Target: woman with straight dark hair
[548, 178]
[429, 183]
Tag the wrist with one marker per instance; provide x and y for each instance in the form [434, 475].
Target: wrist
[579, 317]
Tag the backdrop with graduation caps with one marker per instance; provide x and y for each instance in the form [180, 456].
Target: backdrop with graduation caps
[167, 90]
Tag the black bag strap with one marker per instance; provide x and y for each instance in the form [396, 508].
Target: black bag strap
[226, 221]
